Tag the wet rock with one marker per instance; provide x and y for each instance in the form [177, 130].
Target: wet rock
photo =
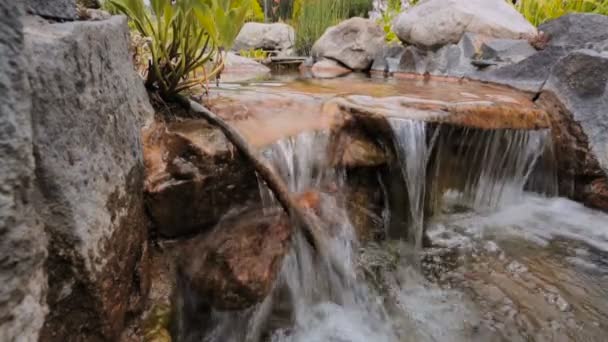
[235, 265]
[328, 68]
[576, 95]
[578, 31]
[529, 74]
[22, 238]
[276, 37]
[353, 42]
[387, 60]
[88, 106]
[241, 69]
[193, 177]
[53, 9]
[435, 23]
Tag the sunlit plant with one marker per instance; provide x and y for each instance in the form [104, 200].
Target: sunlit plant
[257, 54]
[540, 11]
[184, 37]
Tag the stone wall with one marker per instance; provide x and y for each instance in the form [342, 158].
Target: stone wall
[71, 200]
[22, 242]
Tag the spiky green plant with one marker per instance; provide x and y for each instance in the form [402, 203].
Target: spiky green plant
[540, 11]
[315, 16]
[184, 35]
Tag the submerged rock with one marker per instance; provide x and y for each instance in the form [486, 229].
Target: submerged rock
[88, 107]
[276, 37]
[353, 42]
[328, 68]
[435, 23]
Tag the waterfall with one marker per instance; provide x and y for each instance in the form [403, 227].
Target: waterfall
[413, 151]
[480, 169]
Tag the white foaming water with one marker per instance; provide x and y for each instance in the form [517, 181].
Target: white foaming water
[326, 305]
[540, 220]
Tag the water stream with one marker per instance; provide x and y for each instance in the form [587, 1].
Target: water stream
[508, 261]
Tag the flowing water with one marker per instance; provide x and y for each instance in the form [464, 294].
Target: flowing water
[507, 261]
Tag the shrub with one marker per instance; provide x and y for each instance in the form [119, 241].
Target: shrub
[313, 17]
[256, 13]
[257, 54]
[540, 11]
[183, 36]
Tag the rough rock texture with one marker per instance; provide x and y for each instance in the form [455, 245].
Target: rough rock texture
[53, 9]
[193, 177]
[22, 240]
[387, 59]
[434, 23]
[328, 68]
[234, 266]
[578, 102]
[276, 37]
[240, 69]
[88, 106]
[578, 31]
[354, 43]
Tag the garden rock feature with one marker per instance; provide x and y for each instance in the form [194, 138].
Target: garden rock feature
[576, 94]
[354, 43]
[328, 68]
[53, 9]
[234, 266]
[88, 107]
[22, 239]
[435, 23]
[277, 38]
[578, 31]
[241, 69]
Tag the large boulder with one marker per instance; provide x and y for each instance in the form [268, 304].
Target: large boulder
[276, 37]
[434, 23]
[578, 31]
[354, 43]
[88, 107]
[22, 238]
[576, 95]
[53, 9]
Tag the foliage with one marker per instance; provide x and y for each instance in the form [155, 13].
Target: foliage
[540, 11]
[257, 54]
[312, 17]
[386, 21]
[255, 13]
[183, 36]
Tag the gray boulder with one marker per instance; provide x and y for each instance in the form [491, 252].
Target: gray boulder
[241, 69]
[434, 23]
[507, 50]
[88, 107]
[277, 37]
[387, 60]
[354, 43]
[22, 238]
[53, 9]
[578, 31]
[576, 96]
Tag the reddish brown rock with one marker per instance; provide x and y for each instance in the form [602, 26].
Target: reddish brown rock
[580, 176]
[235, 266]
[193, 176]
